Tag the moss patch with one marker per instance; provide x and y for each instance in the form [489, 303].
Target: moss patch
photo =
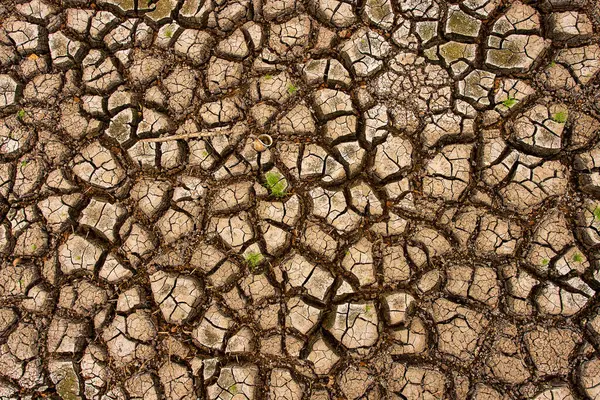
[463, 24]
[68, 387]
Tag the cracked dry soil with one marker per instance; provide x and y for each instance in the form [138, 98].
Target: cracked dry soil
[426, 224]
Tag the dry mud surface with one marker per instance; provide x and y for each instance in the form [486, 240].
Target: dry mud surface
[426, 224]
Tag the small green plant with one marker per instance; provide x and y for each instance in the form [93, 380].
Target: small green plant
[253, 259]
[545, 261]
[276, 184]
[597, 213]
[21, 114]
[268, 77]
[368, 308]
[292, 88]
[168, 33]
[552, 64]
[24, 163]
[77, 258]
[511, 101]
[577, 257]
[560, 117]
[233, 389]
[33, 247]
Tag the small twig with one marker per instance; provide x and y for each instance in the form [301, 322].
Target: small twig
[183, 136]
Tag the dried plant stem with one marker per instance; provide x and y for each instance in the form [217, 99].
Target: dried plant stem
[183, 136]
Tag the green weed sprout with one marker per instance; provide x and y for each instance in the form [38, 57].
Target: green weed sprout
[292, 88]
[597, 213]
[253, 259]
[560, 117]
[511, 101]
[276, 184]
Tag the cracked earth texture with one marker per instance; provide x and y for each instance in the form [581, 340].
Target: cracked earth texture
[426, 224]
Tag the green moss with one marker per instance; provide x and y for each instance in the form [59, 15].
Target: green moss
[427, 31]
[368, 308]
[21, 114]
[253, 259]
[119, 128]
[168, 33]
[127, 4]
[508, 57]
[560, 117]
[211, 337]
[378, 9]
[552, 64]
[431, 54]
[545, 261]
[268, 77]
[276, 184]
[233, 389]
[508, 103]
[313, 66]
[452, 51]
[68, 387]
[162, 9]
[577, 257]
[463, 24]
